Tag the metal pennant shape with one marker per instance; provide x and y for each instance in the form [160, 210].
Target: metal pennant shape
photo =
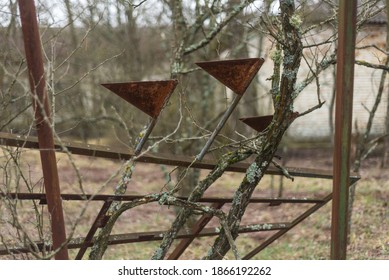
[235, 74]
[148, 96]
[257, 123]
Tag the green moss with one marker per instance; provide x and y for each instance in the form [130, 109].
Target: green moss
[276, 56]
[253, 172]
[296, 21]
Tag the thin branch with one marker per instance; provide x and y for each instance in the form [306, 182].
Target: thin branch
[372, 65]
[284, 171]
[310, 110]
[89, 72]
[216, 30]
[374, 46]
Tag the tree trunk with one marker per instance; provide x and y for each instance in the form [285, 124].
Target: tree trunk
[283, 117]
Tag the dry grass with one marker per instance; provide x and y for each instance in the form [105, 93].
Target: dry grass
[309, 240]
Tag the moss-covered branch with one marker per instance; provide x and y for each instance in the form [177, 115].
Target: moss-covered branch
[283, 117]
[195, 195]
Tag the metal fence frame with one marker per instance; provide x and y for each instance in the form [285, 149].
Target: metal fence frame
[198, 230]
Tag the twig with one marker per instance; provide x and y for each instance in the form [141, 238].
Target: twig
[284, 171]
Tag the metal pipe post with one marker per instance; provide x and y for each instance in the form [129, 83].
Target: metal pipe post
[220, 125]
[145, 135]
[343, 124]
[32, 45]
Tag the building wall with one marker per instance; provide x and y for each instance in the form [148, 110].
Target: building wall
[316, 124]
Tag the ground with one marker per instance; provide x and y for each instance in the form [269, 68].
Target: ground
[309, 240]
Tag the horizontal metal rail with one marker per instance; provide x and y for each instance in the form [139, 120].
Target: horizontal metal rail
[7, 139]
[104, 197]
[145, 237]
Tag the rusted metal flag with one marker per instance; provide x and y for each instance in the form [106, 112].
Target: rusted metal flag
[235, 74]
[148, 96]
[258, 123]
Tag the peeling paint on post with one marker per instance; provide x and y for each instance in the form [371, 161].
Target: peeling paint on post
[32, 45]
[343, 124]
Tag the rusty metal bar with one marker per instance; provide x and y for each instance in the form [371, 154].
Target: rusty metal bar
[107, 197]
[219, 126]
[147, 236]
[98, 223]
[32, 46]
[144, 137]
[343, 124]
[294, 223]
[196, 229]
[157, 158]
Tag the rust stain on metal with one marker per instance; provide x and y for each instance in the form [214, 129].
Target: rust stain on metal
[235, 74]
[258, 123]
[148, 96]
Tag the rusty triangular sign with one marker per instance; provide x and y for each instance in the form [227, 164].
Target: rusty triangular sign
[148, 96]
[235, 74]
[258, 123]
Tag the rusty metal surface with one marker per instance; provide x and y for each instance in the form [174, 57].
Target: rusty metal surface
[343, 124]
[219, 126]
[127, 238]
[258, 123]
[32, 45]
[148, 96]
[158, 158]
[235, 74]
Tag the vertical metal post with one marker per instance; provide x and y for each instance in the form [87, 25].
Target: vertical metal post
[32, 45]
[343, 124]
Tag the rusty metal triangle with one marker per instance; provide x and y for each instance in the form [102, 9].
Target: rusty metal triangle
[235, 74]
[148, 96]
[258, 123]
